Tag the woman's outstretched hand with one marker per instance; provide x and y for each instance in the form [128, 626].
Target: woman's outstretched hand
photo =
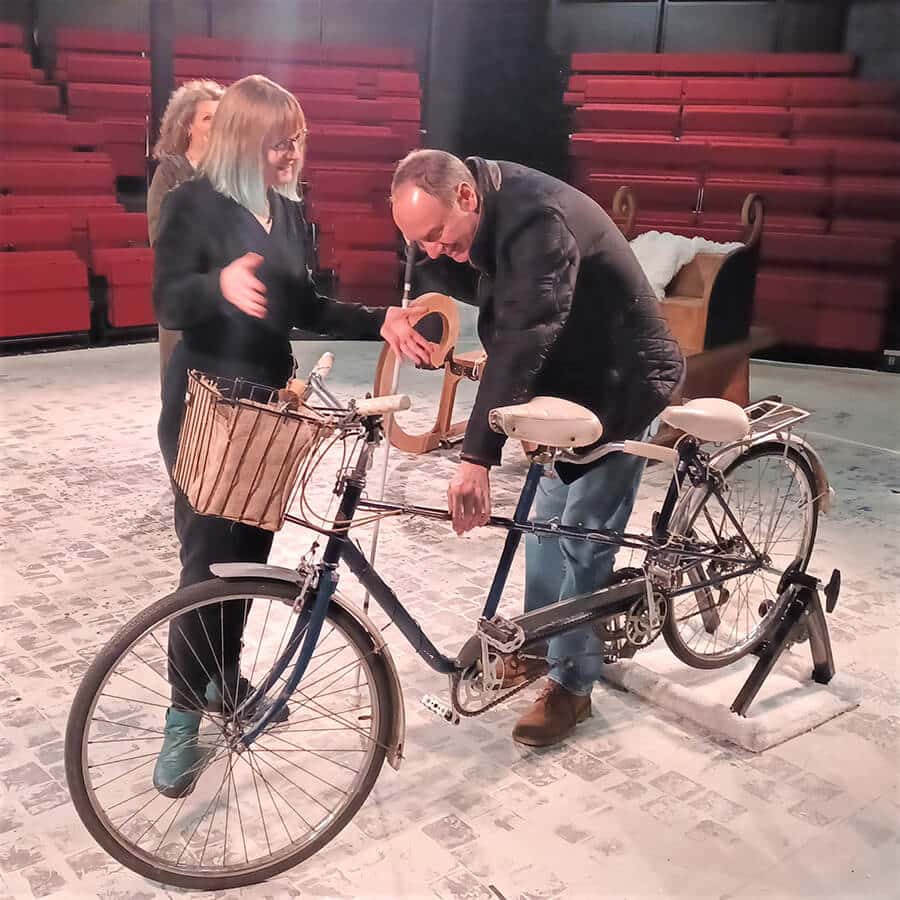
[240, 286]
[399, 333]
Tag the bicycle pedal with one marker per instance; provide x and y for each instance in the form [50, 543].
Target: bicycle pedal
[441, 709]
[501, 634]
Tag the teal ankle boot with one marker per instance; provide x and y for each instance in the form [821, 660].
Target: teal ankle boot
[236, 691]
[181, 758]
[238, 688]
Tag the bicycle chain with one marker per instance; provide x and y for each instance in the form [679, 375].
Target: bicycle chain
[457, 679]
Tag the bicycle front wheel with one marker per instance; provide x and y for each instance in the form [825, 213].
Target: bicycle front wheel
[771, 491]
[252, 812]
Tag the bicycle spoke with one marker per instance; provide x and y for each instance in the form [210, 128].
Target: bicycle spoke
[272, 799]
[769, 499]
[294, 783]
[315, 753]
[298, 777]
[293, 809]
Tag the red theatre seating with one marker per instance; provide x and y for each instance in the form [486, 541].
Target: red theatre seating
[119, 253]
[619, 117]
[103, 69]
[358, 55]
[770, 120]
[132, 43]
[715, 63]
[16, 64]
[43, 292]
[28, 96]
[736, 91]
[842, 92]
[47, 131]
[11, 35]
[23, 231]
[819, 145]
[66, 176]
[877, 198]
[854, 122]
[631, 90]
[823, 309]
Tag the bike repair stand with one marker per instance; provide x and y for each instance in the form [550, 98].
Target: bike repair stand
[802, 615]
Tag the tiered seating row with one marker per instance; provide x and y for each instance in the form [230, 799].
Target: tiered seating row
[60, 222]
[45, 258]
[774, 121]
[706, 153]
[362, 104]
[716, 63]
[108, 80]
[763, 91]
[822, 151]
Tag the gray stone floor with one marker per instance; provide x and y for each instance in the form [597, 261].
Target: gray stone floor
[635, 804]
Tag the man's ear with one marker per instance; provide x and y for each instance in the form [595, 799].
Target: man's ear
[467, 198]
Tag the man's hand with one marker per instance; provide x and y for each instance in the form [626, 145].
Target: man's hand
[240, 286]
[469, 497]
[403, 339]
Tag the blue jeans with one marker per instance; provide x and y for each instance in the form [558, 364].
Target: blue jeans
[556, 568]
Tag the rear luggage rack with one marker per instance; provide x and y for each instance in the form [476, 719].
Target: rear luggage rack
[771, 415]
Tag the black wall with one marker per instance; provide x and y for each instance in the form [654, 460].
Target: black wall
[702, 25]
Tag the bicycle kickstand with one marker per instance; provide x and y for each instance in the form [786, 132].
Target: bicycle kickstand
[802, 611]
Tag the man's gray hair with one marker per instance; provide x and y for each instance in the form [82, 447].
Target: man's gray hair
[436, 172]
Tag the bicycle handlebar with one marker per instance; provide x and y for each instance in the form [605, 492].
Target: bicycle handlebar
[380, 406]
[323, 367]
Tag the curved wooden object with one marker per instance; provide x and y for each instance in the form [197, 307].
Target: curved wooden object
[752, 218]
[624, 210]
[455, 368]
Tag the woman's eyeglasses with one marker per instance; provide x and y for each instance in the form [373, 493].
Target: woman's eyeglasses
[296, 142]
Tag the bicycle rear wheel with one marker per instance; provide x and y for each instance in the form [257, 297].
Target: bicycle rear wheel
[771, 490]
[253, 812]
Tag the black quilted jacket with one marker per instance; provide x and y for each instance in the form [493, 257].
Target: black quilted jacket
[564, 310]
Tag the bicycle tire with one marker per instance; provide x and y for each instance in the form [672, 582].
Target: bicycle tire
[683, 517]
[214, 590]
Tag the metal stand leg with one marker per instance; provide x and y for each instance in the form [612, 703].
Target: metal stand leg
[803, 610]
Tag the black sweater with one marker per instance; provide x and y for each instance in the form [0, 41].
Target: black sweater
[201, 231]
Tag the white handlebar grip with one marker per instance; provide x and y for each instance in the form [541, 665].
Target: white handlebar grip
[380, 406]
[323, 366]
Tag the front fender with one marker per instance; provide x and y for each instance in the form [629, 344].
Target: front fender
[230, 571]
[824, 492]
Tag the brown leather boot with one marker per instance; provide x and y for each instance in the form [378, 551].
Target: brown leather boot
[552, 717]
[517, 671]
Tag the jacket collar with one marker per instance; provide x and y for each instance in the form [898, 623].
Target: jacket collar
[489, 180]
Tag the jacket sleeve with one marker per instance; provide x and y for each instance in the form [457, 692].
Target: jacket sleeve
[162, 182]
[323, 315]
[533, 292]
[185, 287]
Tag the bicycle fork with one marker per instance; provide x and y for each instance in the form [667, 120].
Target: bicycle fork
[308, 626]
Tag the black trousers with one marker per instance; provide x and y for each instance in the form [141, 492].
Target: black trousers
[206, 643]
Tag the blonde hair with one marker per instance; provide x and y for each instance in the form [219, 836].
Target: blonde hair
[254, 114]
[436, 172]
[174, 130]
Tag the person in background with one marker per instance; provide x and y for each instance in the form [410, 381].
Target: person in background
[183, 137]
[231, 273]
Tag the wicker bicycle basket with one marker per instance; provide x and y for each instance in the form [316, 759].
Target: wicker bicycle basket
[240, 450]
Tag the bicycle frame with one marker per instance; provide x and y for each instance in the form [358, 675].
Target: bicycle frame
[305, 633]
